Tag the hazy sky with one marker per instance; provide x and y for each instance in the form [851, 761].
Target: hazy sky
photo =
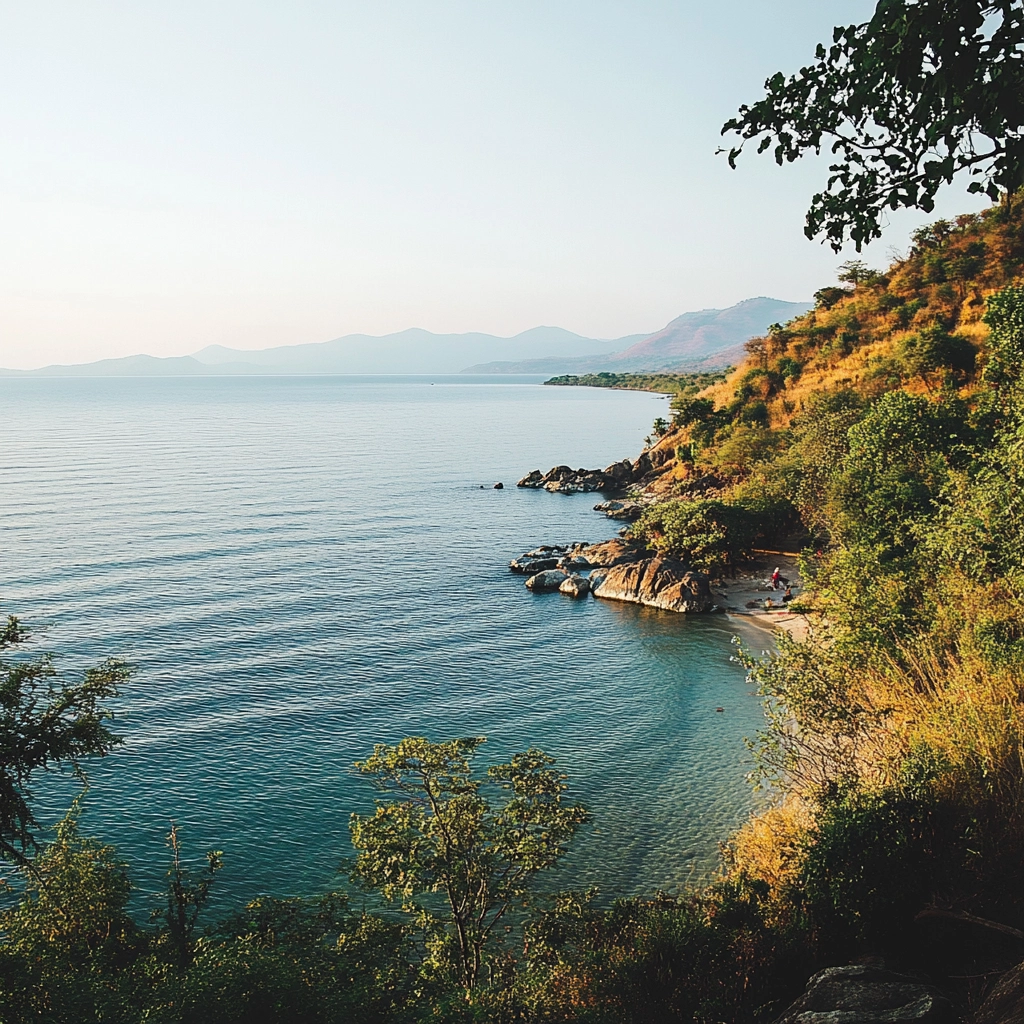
[263, 173]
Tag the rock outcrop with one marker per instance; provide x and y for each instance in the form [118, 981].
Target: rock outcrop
[611, 552]
[630, 511]
[566, 480]
[864, 994]
[550, 579]
[558, 556]
[658, 582]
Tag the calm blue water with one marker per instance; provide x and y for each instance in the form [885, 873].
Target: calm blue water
[300, 567]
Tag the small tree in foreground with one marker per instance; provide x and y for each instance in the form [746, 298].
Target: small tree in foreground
[477, 842]
[45, 723]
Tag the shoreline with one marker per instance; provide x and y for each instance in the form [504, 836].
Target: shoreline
[747, 588]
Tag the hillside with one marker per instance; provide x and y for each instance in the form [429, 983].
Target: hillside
[882, 434]
[916, 327]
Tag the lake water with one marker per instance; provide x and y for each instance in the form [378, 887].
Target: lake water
[300, 567]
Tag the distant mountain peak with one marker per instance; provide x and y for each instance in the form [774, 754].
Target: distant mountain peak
[703, 339]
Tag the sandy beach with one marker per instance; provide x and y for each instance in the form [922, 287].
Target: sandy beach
[748, 593]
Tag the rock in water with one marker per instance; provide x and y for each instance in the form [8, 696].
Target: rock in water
[628, 510]
[531, 566]
[575, 586]
[658, 582]
[499, 486]
[566, 480]
[863, 994]
[550, 579]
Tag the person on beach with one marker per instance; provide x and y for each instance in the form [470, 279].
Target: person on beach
[788, 595]
[775, 578]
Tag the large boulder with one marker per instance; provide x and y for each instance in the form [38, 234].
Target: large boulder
[658, 582]
[550, 579]
[865, 994]
[642, 466]
[532, 479]
[611, 552]
[575, 586]
[620, 473]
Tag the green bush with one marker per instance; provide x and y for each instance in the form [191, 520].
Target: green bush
[706, 534]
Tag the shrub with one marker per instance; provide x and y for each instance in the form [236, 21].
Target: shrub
[706, 534]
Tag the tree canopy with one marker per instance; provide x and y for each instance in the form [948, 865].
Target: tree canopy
[905, 101]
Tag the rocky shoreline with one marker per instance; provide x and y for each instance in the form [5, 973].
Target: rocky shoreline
[624, 570]
[617, 570]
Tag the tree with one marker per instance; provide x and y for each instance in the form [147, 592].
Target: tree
[440, 832]
[45, 723]
[856, 272]
[924, 90]
[186, 897]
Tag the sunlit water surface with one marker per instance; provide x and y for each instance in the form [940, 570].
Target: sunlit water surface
[300, 567]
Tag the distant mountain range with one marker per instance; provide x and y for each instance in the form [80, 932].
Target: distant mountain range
[702, 340]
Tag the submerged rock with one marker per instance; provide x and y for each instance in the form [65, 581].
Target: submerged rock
[499, 486]
[575, 586]
[658, 582]
[864, 994]
[550, 579]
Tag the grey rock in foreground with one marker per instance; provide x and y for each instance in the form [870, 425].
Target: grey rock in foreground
[551, 579]
[657, 582]
[862, 994]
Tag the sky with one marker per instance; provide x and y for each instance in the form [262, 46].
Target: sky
[290, 171]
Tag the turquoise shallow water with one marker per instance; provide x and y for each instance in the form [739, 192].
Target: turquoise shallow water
[300, 567]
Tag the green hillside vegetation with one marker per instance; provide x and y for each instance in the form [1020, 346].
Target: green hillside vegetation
[883, 433]
[666, 383]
